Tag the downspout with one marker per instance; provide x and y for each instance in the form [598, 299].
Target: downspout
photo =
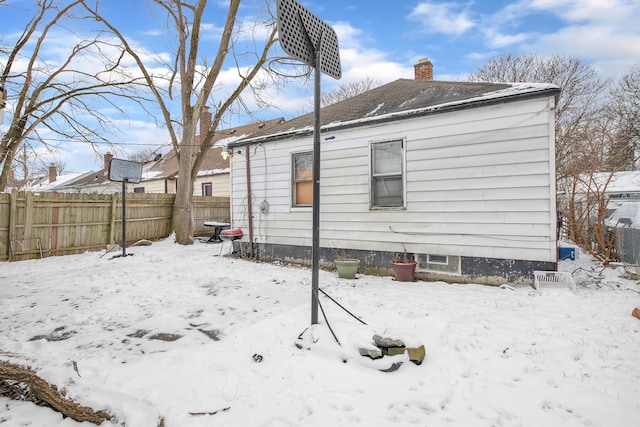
[249, 206]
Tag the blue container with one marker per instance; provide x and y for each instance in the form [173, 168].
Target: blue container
[566, 253]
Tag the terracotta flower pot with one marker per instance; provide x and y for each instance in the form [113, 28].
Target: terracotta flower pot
[347, 268]
[403, 271]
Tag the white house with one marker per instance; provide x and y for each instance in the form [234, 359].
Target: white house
[161, 175]
[459, 175]
[87, 182]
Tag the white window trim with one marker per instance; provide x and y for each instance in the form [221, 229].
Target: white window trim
[204, 186]
[292, 204]
[420, 265]
[404, 175]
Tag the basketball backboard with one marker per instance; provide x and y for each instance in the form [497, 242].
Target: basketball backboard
[302, 34]
[125, 170]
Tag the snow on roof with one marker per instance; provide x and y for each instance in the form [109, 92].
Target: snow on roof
[624, 182]
[518, 88]
[43, 184]
[213, 172]
[615, 182]
[224, 141]
[150, 174]
[401, 99]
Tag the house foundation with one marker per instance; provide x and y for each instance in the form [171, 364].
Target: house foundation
[486, 271]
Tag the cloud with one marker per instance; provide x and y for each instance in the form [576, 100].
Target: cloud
[497, 40]
[575, 11]
[445, 18]
[604, 33]
[152, 33]
[601, 32]
[360, 62]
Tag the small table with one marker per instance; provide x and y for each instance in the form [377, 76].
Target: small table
[217, 227]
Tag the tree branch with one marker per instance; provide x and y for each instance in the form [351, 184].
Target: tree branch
[50, 394]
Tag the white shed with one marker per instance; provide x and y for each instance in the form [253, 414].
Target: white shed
[459, 175]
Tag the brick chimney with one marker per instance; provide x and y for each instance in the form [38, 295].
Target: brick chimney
[53, 173]
[205, 123]
[423, 69]
[107, 158]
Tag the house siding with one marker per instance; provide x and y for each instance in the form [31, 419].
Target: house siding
[220, 184]
[479, 184]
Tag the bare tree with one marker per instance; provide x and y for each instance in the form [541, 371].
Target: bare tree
[344, 91]
[580, 99]
[624, 108]
[43, 168]
[194, 80]
[583, 196]
[46, 98]
[145, 155]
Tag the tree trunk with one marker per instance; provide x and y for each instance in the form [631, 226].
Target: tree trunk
[48, 393]
[182, 207]
[182, 212]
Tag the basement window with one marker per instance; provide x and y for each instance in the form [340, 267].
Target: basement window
[447, 264]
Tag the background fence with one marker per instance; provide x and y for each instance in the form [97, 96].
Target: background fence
[50, 224]
[627, 246]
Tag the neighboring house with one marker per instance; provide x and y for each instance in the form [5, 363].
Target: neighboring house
[459, 175]
[51, 182]
[95, 182]
[614, 185]
[623, 185]
[623, 199]
[613, 188]
[161, 176]
[620, 191]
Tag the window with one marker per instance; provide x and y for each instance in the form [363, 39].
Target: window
[449, 264]
[138, 189]
[207, 189]
[387, 189]
[302, 186]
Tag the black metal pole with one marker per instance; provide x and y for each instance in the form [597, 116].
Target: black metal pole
[316, 189]
[124, 222]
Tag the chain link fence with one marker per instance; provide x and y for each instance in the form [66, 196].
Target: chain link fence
[626, 245]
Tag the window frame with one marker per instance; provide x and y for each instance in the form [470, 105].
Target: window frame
[294, 181]
[453, 264]
[206, 185]
[402, 174]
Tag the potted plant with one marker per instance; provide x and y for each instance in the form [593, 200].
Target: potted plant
[403, 268]
[347, 267]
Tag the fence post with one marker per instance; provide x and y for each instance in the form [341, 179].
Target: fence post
[13, 215]
[112, 225]
[53, 235]
[28, 214]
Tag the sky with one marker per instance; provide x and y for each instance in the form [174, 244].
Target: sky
[382, 40]
[180, 334]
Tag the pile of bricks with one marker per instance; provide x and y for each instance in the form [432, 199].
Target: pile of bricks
[385, 346]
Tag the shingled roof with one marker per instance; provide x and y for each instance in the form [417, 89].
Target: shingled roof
[167, 167]
[401, 99]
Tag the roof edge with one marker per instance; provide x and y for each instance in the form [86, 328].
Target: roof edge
[543, 90]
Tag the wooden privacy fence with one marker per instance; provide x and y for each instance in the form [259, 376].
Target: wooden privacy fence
[207, 208]
[49, 224]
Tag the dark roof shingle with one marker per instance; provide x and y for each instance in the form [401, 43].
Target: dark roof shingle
[403, 98]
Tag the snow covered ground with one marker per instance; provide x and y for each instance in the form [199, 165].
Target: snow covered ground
[173, 333]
